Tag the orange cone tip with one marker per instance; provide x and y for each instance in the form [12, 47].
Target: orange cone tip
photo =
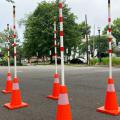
[56, 88]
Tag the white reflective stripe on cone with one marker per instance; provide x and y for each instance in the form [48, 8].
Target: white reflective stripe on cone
[110, 88]
[9, 78]
[56, 80]
[63, 99]
[15, 86]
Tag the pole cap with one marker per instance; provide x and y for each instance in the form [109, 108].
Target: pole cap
[14, 6]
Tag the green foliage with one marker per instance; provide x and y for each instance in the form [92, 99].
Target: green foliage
[93, 61]
[4, 62]
[83, 29]
[115, 61]
[100, 43]
[10, 1]
[4, 52]
[39, 29]
[105, 61]
[115, 29]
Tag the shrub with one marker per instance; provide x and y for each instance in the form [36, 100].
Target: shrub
[93, 61]
[105, 61]
[5, 63]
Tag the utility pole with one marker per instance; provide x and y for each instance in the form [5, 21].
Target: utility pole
[99, 51]
[87, 39]
[94, 43]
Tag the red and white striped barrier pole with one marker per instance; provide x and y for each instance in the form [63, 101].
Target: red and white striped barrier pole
[111, 104]
[16, 99]
[61, 43]
[55, 46]
[8, 48]
[8, 88]
[56, 85]
[14, 29]
[63, 108]
[110, 39]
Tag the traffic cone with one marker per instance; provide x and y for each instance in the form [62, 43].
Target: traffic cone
[56, 88]
[8, 88]
[16, 100]
[111, 104]
[63, 108]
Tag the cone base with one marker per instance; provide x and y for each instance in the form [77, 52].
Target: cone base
[9, 106]
[6, 92]
[52, 97]
[111, 112]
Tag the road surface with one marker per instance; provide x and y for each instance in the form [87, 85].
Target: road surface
[86, 87]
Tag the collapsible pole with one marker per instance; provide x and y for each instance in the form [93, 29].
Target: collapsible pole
[110, 39]
[63, 108]
[8, 47]
[56, 85]
[111, 103]
[61, 43]
[55, 46]
[14, 29]
[8, 88]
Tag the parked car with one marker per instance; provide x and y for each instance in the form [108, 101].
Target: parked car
[76, 61]
[83, 60]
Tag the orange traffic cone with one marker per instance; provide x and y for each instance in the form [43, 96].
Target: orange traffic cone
[8, 88]
[63, 108]
[16, 100]
[56, 88]
[111, 104]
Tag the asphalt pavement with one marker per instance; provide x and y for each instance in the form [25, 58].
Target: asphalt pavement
[86, 89]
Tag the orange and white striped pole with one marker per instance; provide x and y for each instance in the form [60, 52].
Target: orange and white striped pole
[14, 29]
[110, 39]
[55, 46]
[8, 88]
[63, 108]
[16, 99]
[56, 85]
[111, 103]
[8, 48]
[61, 43]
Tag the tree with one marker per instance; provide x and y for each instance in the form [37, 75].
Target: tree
[10, 1]
[39, 29]
[4, 43]
[115, 29]
[82, 29]
[100, 43]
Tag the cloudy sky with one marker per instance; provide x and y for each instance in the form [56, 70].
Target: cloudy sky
[96, 11]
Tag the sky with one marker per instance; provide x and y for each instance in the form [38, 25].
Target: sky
[96, 11]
